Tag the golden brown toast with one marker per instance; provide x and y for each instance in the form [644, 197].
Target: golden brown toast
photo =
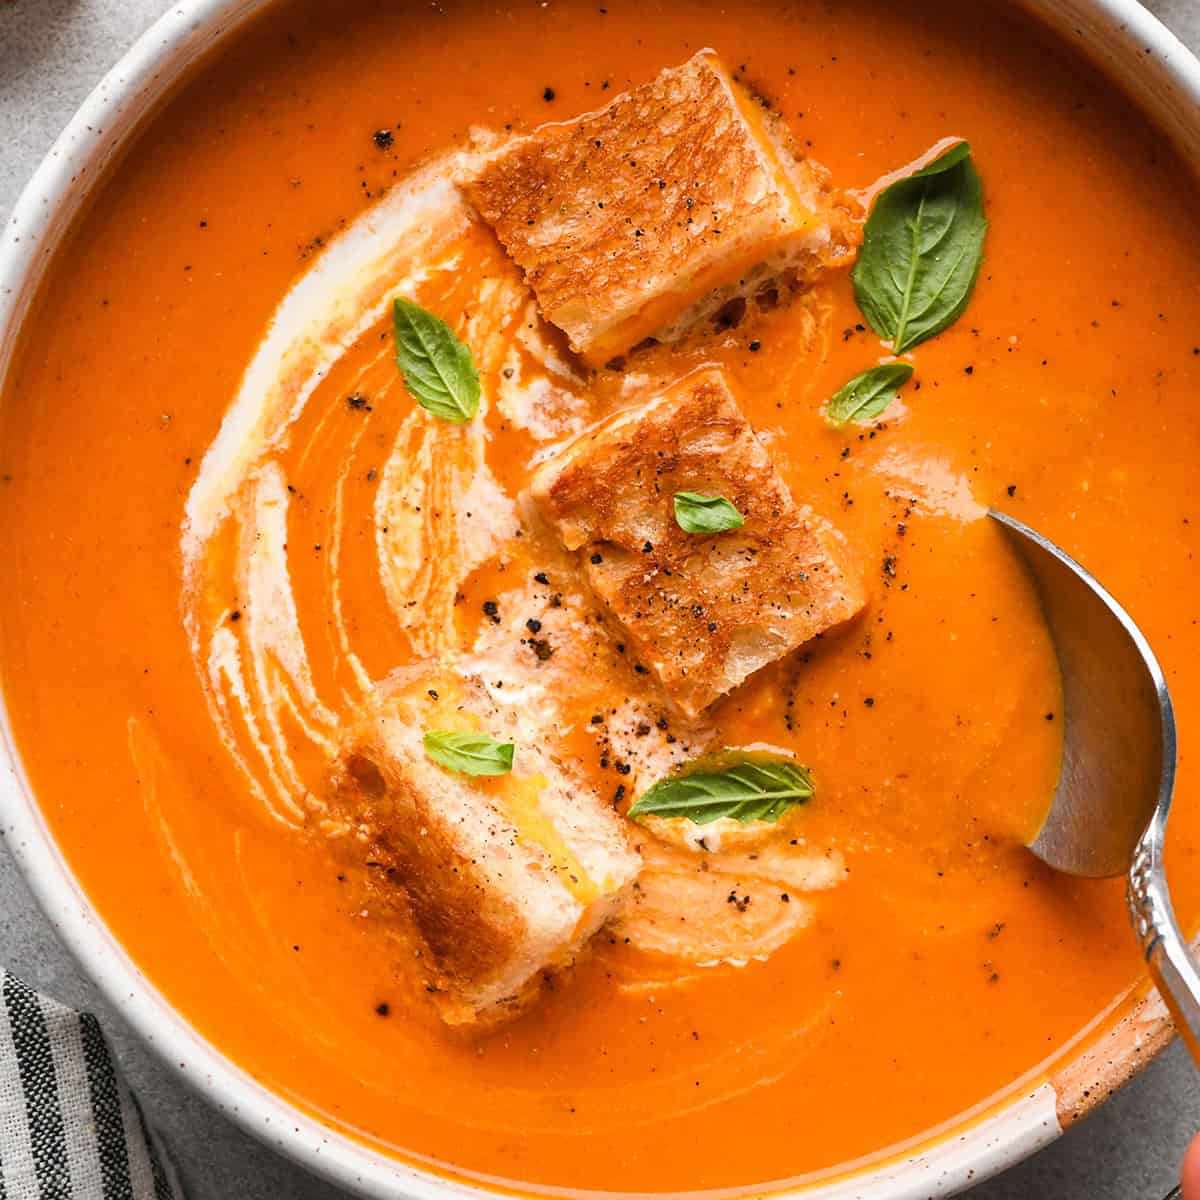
[703, 611]
[652, 213]
[498, 880]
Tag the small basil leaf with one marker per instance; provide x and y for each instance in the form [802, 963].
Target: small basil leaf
[944, 161]
[743, 787]
[922, 249]
[695, 513]
[469, 753]
[867, 395]
[438, 369]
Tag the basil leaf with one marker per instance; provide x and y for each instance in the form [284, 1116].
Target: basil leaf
[922, 249]
[469, 753]
[438, 369]
[868, 394]
[695, 513]
[746, 788]
[944, 161]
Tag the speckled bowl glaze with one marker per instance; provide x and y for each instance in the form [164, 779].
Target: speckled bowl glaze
[1135, 49]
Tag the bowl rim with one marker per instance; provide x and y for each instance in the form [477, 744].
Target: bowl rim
[970, 1148]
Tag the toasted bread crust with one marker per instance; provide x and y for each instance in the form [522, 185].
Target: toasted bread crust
[492, 894]
[703, 611]
[623, 218]
[468, 928]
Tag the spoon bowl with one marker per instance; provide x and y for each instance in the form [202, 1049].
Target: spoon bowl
[1110, 807]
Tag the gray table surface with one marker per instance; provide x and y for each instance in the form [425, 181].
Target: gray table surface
[52, 52]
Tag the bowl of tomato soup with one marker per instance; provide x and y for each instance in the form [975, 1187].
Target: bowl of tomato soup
[506, 677]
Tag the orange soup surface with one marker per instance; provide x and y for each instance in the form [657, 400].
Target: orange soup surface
[227, 522]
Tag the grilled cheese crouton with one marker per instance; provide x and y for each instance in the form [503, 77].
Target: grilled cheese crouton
[642, 218]
[703, 611]
[500, 879]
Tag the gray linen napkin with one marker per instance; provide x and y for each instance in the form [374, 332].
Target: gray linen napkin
[70, 1128]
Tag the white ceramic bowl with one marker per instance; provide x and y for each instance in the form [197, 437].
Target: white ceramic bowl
[1135, 49]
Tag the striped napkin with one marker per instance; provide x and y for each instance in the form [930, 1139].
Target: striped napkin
[70, 1128]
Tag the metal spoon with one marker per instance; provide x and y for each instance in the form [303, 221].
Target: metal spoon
[1109, 813]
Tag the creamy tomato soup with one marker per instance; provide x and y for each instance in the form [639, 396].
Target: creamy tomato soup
[374, 691]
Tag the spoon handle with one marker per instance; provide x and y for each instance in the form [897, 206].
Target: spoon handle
[1162, 943]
